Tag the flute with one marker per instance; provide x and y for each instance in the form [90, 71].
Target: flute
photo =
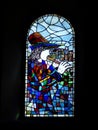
[58, 62]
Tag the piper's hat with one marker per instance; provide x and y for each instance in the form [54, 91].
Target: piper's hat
[37, 40]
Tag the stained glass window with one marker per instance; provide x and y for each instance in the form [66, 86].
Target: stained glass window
[50, 68]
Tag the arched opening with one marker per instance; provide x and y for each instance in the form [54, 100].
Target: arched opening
[50, 68]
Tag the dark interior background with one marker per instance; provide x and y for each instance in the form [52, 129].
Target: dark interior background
[16, 20]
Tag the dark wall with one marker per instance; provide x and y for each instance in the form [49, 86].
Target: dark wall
[17, 18]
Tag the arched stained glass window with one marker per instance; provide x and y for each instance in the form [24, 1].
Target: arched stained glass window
[50, 68]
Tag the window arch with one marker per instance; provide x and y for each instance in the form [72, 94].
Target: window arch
[50, 68]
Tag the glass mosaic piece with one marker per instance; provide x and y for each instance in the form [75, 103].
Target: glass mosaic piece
[50, 68]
